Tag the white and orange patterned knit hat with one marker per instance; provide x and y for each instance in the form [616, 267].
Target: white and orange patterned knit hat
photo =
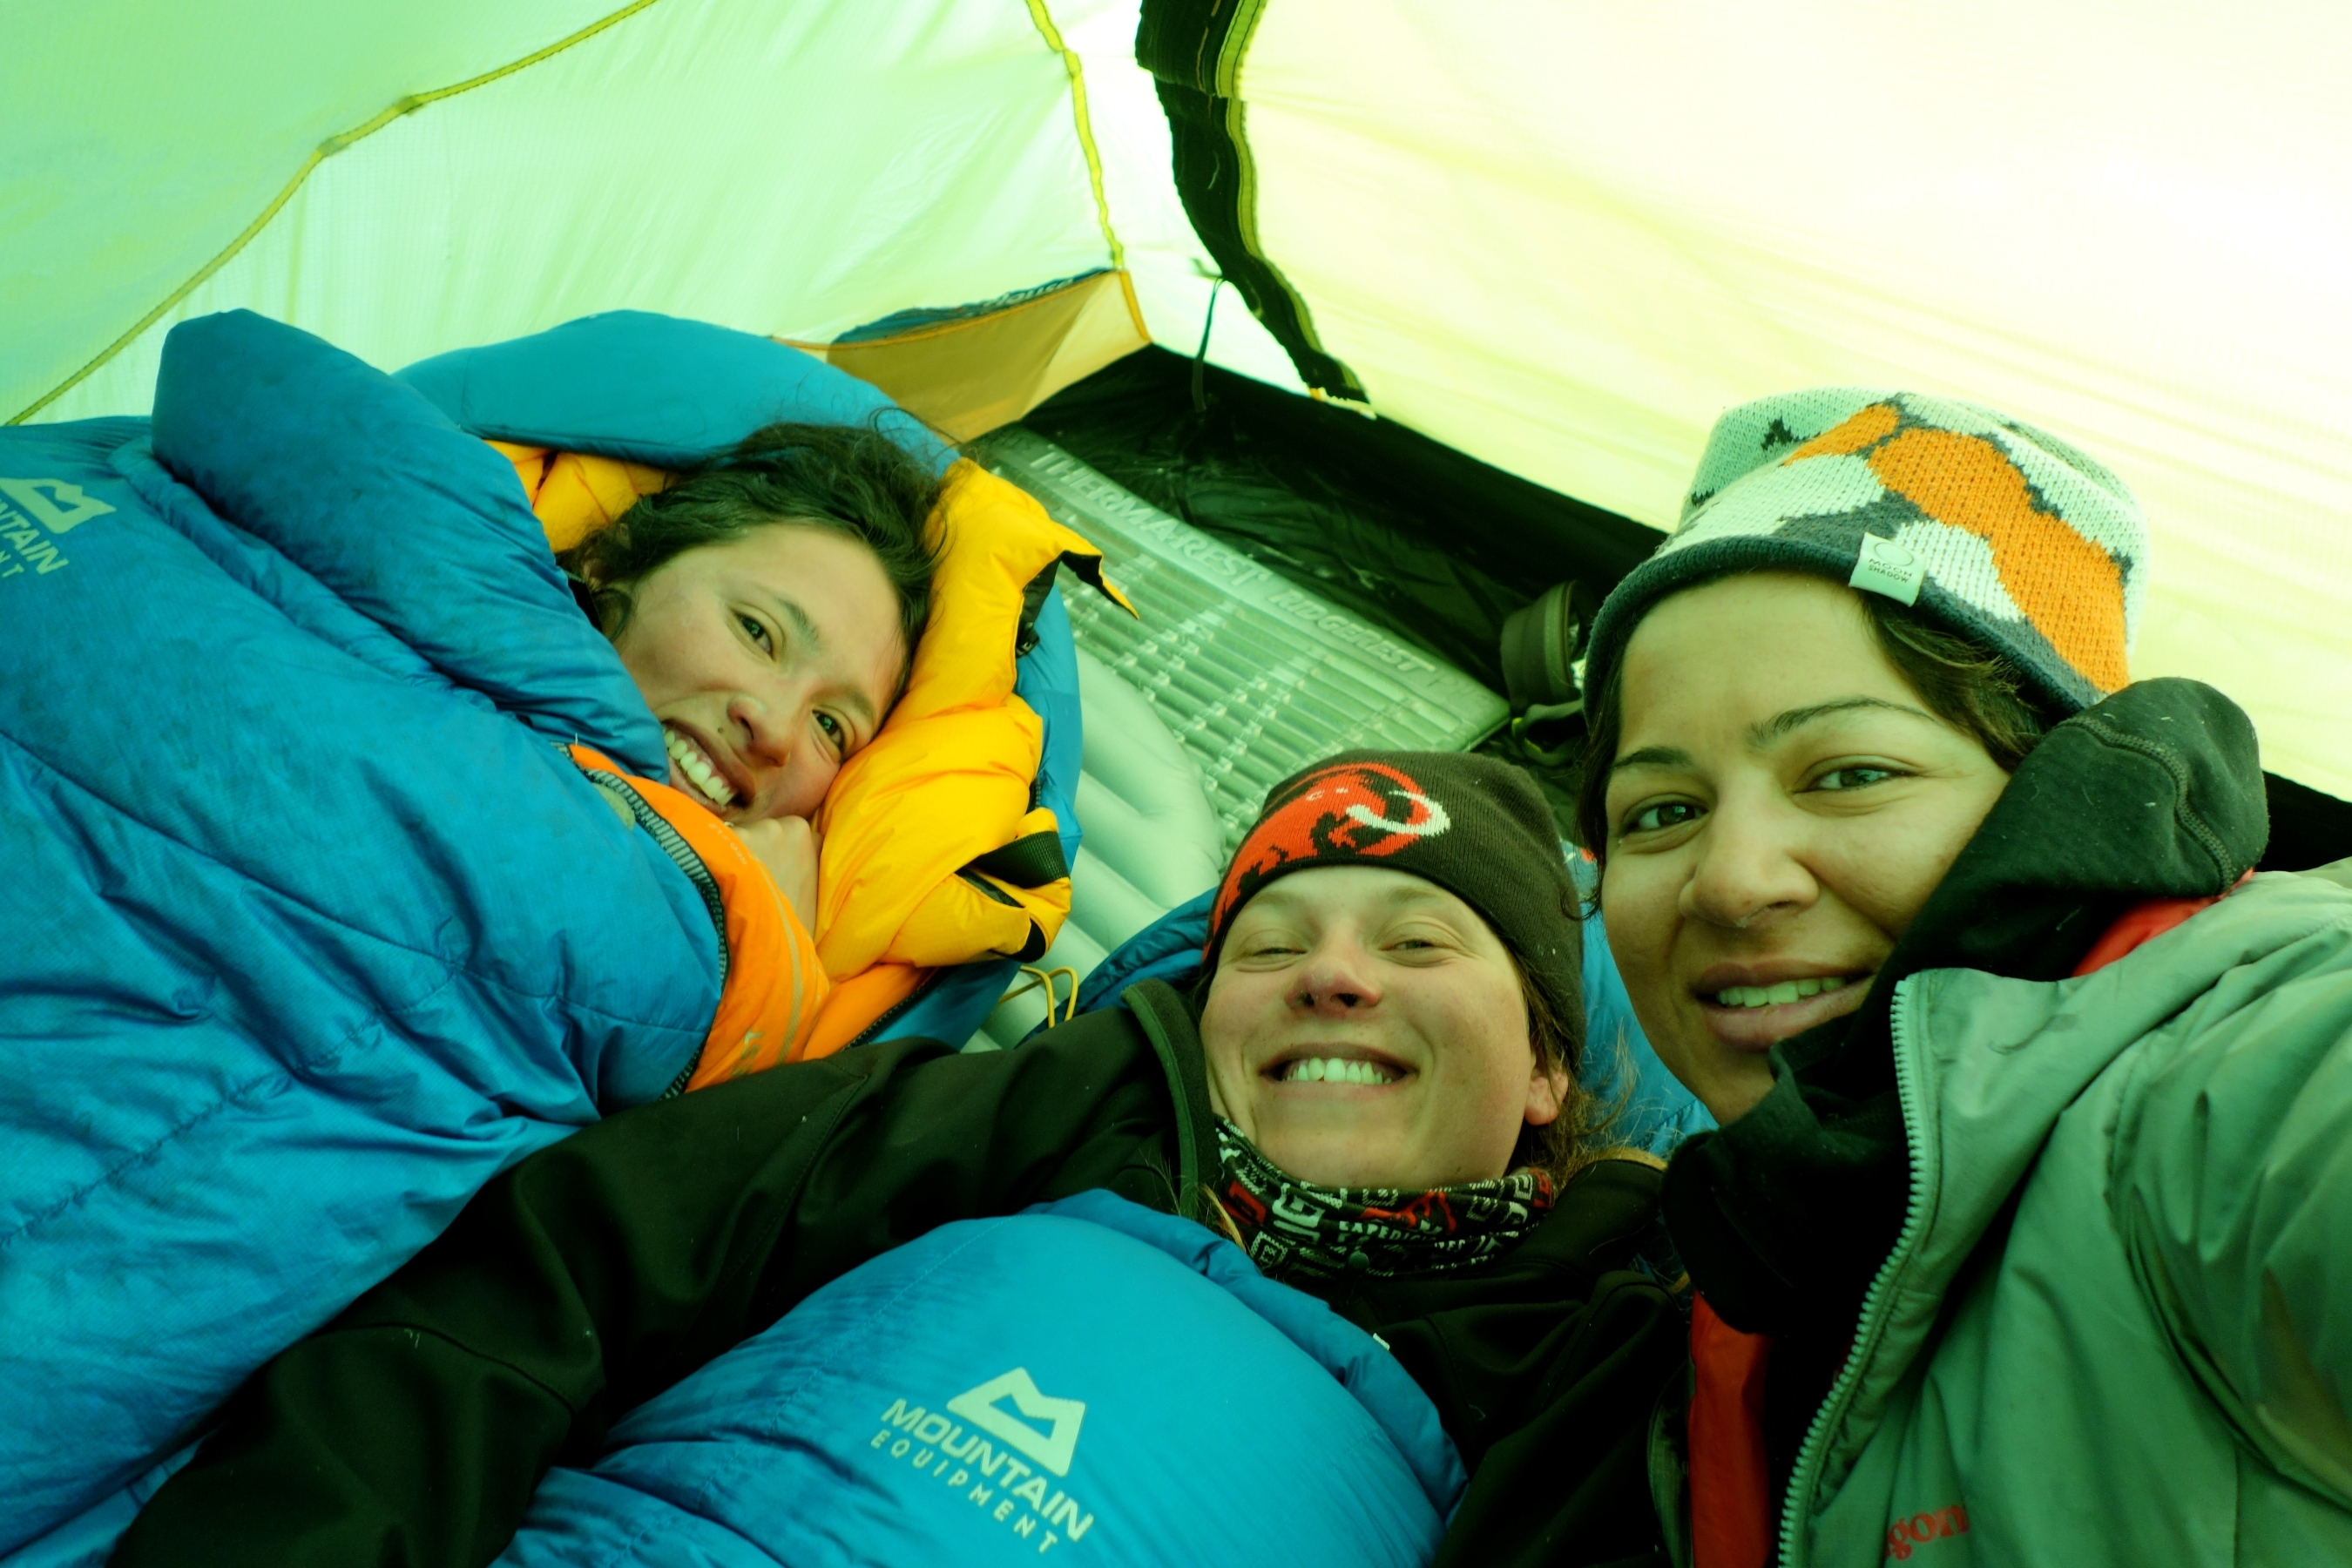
[1999, 530]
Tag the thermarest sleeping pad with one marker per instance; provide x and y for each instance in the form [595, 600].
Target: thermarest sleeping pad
[1254, 675]
[1088, 1382]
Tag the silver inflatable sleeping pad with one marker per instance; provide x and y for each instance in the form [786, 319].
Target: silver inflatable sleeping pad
[1152, 842]
[1255, 676]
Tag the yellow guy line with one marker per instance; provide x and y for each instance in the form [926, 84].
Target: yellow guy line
[1076, 70]
[324, 151]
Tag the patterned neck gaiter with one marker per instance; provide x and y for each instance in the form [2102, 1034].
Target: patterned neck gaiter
[1291, 1227]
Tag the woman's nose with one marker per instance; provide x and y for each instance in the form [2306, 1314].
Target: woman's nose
[770, 732]
[1749, 870]
[1335, 981]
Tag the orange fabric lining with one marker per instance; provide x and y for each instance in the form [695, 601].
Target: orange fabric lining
[2145, 923]
[775, 986]
[856, 1003]
[1730, 1483]
[575, 495]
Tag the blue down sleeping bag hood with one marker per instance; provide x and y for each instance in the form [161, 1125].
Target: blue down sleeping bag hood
[312, 929]
[1088, 1382]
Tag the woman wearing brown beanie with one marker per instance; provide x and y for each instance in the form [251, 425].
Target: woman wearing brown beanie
[1373, 1092]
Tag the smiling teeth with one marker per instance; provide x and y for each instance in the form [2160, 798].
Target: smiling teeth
[1772, 996]
[1336, 1070]
[695, 765]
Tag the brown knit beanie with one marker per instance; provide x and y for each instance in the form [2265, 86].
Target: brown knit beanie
[1476, 827]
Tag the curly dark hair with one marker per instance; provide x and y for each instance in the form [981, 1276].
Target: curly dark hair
[847, 479]
[1967, 685]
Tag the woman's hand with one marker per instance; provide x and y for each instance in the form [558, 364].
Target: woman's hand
[787, 847]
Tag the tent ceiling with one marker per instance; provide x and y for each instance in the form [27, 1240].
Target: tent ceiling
[1563, 239]
[797, 170]
[1559, 238]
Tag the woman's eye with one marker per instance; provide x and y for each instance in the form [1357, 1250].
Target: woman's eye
[757, 631]
[834, 729]
[1660, 816]
[1854, 776]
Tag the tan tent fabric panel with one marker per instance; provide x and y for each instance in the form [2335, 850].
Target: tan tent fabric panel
[969, 375]
[1563, 238]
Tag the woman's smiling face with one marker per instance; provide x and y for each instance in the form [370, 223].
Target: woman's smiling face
[1366, 1028]
[770, 660]
[1780, 808]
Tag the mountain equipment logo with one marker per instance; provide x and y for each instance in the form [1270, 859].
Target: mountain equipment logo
[58, 506]
[1004, 1489]
[1052, 1448]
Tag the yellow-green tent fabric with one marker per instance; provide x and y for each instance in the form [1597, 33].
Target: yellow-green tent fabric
[1561, 238]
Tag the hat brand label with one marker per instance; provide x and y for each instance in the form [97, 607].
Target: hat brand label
[1885, 567]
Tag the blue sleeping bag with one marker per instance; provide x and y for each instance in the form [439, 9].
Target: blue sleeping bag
[312, 928]
[1089, 1381]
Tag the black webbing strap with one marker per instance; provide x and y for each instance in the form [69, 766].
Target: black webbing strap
[1031, 861]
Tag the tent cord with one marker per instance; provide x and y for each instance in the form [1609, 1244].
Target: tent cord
[1201, 357]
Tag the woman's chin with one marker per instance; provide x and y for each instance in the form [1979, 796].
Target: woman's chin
[1324, 1161]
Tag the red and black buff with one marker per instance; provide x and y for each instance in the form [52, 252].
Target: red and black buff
[1476, 827]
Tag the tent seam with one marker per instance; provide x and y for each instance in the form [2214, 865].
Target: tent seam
[1245, 222]
[1074, 68]
[319, 154]
[1235, 48]
[1199, 54]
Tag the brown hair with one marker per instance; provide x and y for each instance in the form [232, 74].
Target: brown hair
[1967, 685]
[1575, 1138]
[844, 479]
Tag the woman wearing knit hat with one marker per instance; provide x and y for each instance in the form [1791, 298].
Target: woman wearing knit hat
[2028, 1213]
[1373, 1091]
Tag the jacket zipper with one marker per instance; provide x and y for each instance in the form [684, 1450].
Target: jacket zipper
[897, 1010]
[683, 856]
[1797, 1508]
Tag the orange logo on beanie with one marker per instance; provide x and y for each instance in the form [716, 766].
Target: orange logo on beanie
[1347, 811]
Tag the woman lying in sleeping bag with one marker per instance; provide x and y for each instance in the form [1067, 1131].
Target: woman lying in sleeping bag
[345, 861]
[767, 603]
[1373, 1092]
